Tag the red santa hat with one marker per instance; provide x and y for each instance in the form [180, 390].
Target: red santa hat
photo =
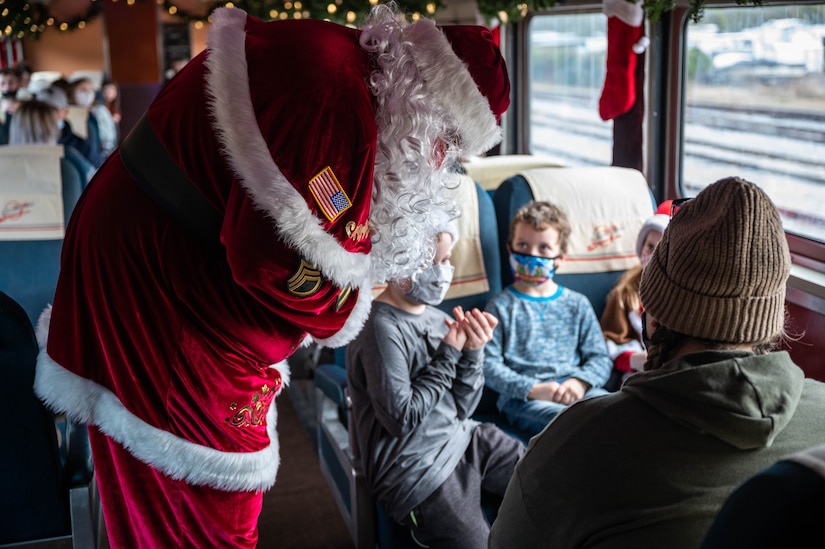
[464, 67]
[476, 46]
[656, 223]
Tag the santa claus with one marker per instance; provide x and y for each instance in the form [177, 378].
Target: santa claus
[277, 177]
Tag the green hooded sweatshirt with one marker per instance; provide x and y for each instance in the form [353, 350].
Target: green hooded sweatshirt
[650, 465]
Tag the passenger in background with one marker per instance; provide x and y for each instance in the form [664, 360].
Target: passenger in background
[63, 84]
[415, 377]
[56, 98]
[109, 132]
[621, 321]
[81, 93]
[9, 84]
[547, 351]
[110, 95]
[654, 462]
[35, 123]
[24, 72]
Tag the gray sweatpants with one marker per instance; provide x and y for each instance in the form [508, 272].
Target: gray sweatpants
[452, 516]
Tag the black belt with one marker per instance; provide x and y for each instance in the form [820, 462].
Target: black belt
[147, 161]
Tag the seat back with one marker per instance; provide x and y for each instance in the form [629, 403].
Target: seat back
[48, 496]
[475, 256]
[29, 266]
[606, 206]
[34, 500]
[490, 171]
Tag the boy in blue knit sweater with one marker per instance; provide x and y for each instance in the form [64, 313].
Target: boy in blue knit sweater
[548, 350]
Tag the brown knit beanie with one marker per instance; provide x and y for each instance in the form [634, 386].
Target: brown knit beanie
[720, 270]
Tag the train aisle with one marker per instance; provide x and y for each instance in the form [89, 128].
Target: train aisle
[299, 511]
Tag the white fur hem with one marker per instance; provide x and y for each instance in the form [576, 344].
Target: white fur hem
[354, 323]
[88, 402]
[451, 81]
[227, 86]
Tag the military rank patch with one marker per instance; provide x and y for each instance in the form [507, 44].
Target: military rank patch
[305, 281]
[342, 297]
[329, 194]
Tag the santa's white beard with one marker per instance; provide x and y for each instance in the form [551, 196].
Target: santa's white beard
[410, 200]
[407, 213]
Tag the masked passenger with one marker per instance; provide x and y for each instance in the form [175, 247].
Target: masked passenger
[548, 350]
[415, 377]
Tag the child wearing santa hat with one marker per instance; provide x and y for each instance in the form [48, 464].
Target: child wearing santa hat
[621, 320]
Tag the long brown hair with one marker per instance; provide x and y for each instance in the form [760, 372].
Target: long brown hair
[34, 122]
[665, 341]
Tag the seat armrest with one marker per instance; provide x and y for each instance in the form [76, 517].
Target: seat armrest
[331, 379]
[79, 464]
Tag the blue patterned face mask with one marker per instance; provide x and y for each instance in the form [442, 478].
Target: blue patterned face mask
[532, 270]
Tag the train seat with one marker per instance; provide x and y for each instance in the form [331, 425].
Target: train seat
[48, 498]
[30, 250]
[490, 171]
[607, 207]
[477, 278]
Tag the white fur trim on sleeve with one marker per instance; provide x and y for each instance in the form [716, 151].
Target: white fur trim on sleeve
[85, 401]
[450, 80]
[355, 322]
[227, 84]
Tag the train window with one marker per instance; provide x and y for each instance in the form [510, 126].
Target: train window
[755, 107]
[566, 73]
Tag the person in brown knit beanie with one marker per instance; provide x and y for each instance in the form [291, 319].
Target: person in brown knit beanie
[719, 275]
[651, 464]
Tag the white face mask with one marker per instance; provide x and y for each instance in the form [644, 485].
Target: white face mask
[430, 285]
[84, 98]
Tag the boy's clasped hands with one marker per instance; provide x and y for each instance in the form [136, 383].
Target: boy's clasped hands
[567, 392]
[470, 330]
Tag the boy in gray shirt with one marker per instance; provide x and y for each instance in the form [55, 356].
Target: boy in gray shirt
[415, 377]
[548, 350]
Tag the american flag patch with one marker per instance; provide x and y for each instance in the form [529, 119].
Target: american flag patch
[328, 193]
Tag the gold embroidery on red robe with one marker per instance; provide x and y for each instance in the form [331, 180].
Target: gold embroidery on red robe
[357, 232]
[254, 413]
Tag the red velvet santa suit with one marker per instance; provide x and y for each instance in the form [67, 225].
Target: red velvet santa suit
[174, 353]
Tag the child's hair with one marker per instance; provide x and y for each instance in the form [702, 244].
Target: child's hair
[626, 289]
[34, 122]
[541, 215]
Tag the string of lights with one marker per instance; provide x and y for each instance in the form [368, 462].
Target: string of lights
[29, 18]
[342, 11]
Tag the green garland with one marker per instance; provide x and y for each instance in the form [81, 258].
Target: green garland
[351, 12]
[513, 10]
[26, 19]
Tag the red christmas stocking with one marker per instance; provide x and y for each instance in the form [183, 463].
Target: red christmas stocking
[625, 41]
